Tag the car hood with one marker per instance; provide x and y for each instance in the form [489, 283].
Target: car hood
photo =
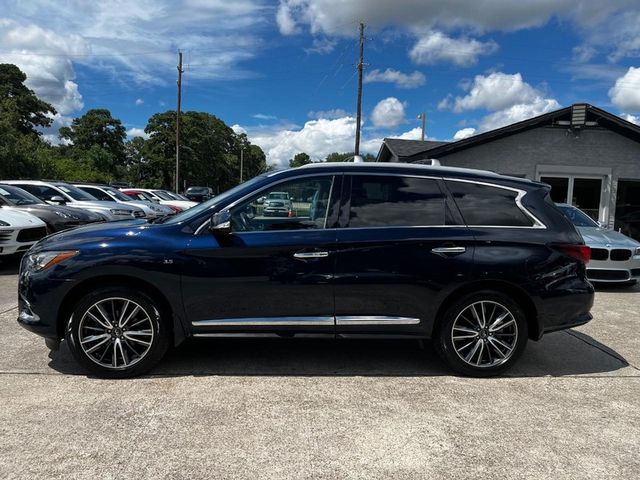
[602, 237]
[18, 219]
[75, 214]
[106, 205]
[179, 203]
[92, 233]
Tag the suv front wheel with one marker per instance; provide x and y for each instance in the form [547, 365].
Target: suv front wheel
[117, 333]
[482, 335]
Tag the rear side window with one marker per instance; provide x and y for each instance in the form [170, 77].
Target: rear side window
[378, 201]
[482, 205]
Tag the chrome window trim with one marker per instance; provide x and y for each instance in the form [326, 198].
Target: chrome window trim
[364, 320]
[266, 322]
[537, 224]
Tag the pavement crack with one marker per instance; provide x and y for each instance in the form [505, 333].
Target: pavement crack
[7, 311]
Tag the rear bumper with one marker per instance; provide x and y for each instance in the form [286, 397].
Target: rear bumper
[574, 322]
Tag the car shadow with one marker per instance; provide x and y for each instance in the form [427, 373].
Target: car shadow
[616, 288]
[558, 354]
[10, 264]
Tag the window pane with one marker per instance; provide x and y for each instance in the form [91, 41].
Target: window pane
[488, 206]
[559, 188]
[295, 205]
[403, 201]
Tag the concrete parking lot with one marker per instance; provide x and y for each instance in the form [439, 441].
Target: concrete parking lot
[283, 409]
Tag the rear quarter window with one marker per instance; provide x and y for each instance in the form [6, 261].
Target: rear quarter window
[483, 205]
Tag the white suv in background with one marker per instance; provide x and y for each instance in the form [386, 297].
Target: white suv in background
[105, 193]
[19, 230]
[61, 193]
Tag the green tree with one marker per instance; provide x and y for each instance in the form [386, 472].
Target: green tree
[28, 112]
[348, 156]
[299, 160]
[209, 151]
[99, 137]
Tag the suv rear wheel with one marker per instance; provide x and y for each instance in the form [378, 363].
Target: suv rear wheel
[483, 334]
[117, 333]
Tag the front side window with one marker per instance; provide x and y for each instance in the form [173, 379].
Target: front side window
[295, 205]
[483, 205]
[97, 193]
[43, 192]
[378, 201]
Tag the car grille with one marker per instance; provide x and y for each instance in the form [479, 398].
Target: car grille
[5, 235]
[31, 234]
[607, 274]
[620, 254]
[599, 254]
[138, 214]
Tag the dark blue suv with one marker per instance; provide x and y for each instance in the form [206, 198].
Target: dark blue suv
[476, 261]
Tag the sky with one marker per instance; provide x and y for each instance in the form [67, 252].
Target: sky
[284, 72]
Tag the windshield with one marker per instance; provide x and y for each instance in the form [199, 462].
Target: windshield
[197, 210]
[75, 192]
[577, 217]
[163, 195]
[17, 196]
[115, 193]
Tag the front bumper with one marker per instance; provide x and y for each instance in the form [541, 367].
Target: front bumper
[612, 271]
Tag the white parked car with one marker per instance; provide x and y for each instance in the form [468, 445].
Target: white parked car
[19, 230]
[105, 193]
[61, 193]
[161, 197]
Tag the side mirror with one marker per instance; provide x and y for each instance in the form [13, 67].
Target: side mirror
[221, 222]
[58, 200]
[603, 225]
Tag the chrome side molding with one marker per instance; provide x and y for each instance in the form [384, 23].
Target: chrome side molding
[266, 322]
[376, 320]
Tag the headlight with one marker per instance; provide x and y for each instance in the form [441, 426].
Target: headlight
[117, 211]
[62, 214]
[40, 261]
[637, 251]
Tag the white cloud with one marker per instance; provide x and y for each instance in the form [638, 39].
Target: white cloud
[583, 53]
[317, 138]
[517, 113]
[138, 41]
[137, 132]
[139, 101]
[330, 114]
[339, 17]
[49, 72]
[631, 118]
[464, 133]
[401, 80]
[262, 116]
[435, 47]
[237, 129]
[496, 91]
[322, 46]
[388, 113]
[284, 18]
[625, 94]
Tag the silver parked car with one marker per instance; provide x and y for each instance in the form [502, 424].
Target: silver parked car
[614, 256]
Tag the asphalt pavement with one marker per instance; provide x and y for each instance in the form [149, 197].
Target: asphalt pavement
[277, 409]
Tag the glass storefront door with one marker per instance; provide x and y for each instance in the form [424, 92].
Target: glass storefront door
[581, 192]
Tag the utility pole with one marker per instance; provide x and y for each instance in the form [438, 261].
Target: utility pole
[422, 116]
[180, 71]
[241, 162]
[359, 107]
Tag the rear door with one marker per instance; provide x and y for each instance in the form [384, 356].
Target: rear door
[402, 249]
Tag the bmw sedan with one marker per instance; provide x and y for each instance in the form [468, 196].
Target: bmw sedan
[615, 258]
[479, 263]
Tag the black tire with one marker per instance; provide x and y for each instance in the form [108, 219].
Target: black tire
[146, 317]
[483, 363]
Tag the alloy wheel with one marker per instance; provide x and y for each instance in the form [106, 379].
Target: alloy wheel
[116, 333]
[484, 334]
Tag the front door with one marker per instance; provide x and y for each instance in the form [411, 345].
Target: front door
[272, 273]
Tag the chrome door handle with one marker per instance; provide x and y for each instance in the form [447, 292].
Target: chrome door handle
[305, 255]
[449, 250]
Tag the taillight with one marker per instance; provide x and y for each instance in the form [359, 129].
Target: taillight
[290, 213]
[579, 252]
[174, 208]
